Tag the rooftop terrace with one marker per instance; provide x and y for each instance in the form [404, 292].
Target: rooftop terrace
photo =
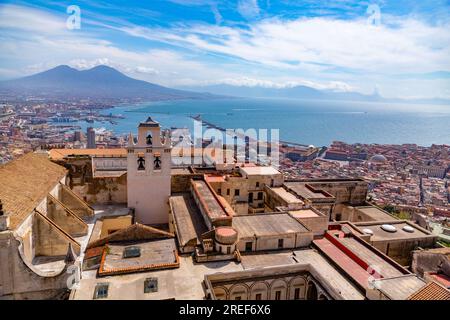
[267, 225]
[380, 234]
[307, 191]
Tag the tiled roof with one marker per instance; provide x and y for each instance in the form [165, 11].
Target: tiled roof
[59, 154]
[25, 182]
[431, 291]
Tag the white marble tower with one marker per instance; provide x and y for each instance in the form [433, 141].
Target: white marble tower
[148, 174]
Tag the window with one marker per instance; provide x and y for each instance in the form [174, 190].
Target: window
[278, 295]
[219, 191]
[250, 197]
[258, 296]
[228, 250]
[101, 291]
[257, 184]
[248, 246]
[236, 192]
[151, 285]
[338, 217]
[260, 195]
[228, 192]
[131, 252]
[280, 243]
[297, 294]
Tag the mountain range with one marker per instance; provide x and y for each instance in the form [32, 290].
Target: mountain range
[306, 93]
[98, 82]
[107, 83]
[296, 92]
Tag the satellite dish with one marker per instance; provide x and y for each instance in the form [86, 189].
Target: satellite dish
[388, 228]
[368, 231]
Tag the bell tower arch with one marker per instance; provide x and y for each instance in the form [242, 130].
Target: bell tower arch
[149, 173]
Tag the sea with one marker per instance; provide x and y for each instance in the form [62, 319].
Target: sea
[309, 122]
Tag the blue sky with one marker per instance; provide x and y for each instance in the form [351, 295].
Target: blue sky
[399, 48]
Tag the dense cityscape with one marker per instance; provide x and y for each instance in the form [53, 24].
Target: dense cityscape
[407, 180]
[194, 153]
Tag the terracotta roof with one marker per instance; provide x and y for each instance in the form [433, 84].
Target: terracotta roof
[135, 232]
[24, 184]
[93, 252]
[59, 154]
[431, 291]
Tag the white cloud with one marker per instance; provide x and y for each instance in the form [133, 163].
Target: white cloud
[28, 19]
[317, 52]
[83, 64]
[254, 82]
[147, 70]
[321, 43]
[249, 9]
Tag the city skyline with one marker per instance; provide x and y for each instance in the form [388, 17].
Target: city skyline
[400, 51]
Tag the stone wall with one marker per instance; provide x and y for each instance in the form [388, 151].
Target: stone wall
[75, 203]
[353, 192]
[181, 182]
[51, 241]
[434, 260]
[103, 190]
[299, 286]
[401, 251]
[65, 218]
[17, 281]
[290, 241]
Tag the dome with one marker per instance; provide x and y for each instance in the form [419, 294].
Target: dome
[389, 228]
[311, 146]
[378, 158]
[226, 235]
[408, 229]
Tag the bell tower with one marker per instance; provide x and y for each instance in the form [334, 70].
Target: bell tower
[148, 173]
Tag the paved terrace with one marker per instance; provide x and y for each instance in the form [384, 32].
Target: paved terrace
[267, 225]
[307, 191]
[286, 196]
[380, 234]
[184, 282]
[376, 214]
[153, 253]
